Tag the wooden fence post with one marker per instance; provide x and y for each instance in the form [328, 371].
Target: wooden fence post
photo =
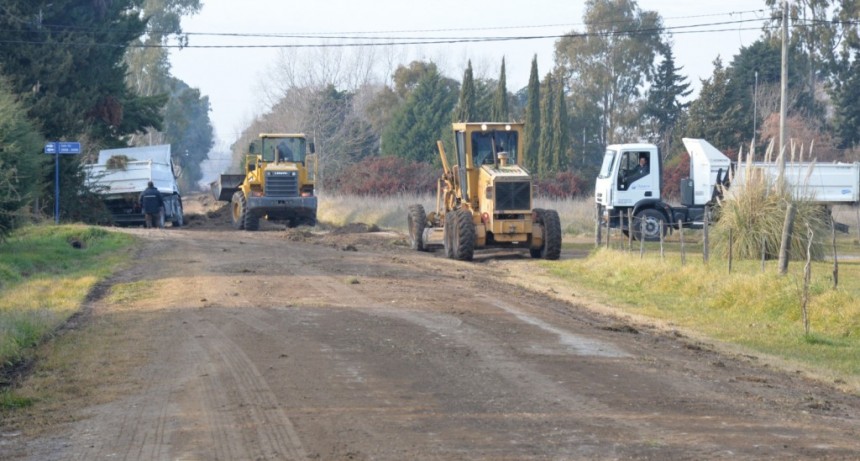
[785, 243]
[705, 226]
[763, 251]
[608, 233]
[835, 256]
[630, 230]
[683, 248]
[662, 252]
[598, 236]
[731, 244]
[807, 276]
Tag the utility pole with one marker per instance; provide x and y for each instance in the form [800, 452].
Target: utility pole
[783, 84]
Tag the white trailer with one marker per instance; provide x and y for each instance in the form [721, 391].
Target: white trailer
[120, 175]
[618, 190]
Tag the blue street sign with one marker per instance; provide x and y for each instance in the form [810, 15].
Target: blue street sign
[56, 148]
[63, 147]
[70, 147]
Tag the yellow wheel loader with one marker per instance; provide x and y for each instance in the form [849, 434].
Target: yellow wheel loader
[277, 185]
[485, 199]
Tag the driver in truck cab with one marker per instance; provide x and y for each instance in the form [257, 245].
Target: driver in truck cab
[639, 171]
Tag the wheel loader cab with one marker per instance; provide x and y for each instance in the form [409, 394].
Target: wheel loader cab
[283, 149]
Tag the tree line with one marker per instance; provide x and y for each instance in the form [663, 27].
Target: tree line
[98, 72]
[614, 81]
[93, 72]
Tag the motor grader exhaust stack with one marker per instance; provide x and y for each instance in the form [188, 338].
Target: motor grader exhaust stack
[485, 199]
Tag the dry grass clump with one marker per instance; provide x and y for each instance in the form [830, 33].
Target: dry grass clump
[118, 162]
[752, 215]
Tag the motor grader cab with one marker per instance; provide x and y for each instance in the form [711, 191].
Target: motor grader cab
[277, 185]
[485, 199]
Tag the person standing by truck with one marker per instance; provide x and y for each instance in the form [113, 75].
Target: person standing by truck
[152, 205]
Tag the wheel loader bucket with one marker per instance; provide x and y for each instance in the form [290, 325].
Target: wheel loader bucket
[225, 186]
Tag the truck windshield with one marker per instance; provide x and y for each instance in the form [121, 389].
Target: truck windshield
[608, 162]
[284, 149]
[483, 143]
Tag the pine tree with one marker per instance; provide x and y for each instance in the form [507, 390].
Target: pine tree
[545, 151]
[499, 111]
[532, 130]
[664, 99]
[421, 120]
[466, 106]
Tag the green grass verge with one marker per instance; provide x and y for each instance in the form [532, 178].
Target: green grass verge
[46, 273]
[758, 310]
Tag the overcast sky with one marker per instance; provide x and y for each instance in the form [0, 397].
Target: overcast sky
[232, 77]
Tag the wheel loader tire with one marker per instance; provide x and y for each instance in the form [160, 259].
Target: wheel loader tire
[648, 224]
[448, 235]
[416, 222]
[551, 235]
[238, 210]
[252, 221]
[465, 232]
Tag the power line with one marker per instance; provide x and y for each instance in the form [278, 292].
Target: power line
[399, 41]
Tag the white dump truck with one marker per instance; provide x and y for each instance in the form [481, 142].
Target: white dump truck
[623, 185]
[120, 175]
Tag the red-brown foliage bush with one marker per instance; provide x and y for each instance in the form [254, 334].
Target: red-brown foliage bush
[563, 185]
[386, 176]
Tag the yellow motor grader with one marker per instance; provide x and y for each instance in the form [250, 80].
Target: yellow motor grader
[485, 199]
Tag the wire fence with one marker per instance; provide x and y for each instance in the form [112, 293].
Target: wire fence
[646, 235]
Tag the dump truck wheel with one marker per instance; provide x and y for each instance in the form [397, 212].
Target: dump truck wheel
[238, 209]
[649, 223]
[465, 236]
[416, 221]
[448, 235]
[179, 220]
[551, 235]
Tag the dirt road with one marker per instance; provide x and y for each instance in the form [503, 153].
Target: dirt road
[285, 345]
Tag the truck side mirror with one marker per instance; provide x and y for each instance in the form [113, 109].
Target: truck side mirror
[251, 148]
[312, 148]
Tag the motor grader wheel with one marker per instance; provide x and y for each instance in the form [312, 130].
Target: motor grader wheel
[416, 222]
[465, 236]
[238, 210]
[448, 235]
[537, 214]
[551, 235]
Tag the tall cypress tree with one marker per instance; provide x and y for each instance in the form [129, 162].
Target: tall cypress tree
[531, 134]
[466, 106]
[499, 111]
[560, 129]
[545, 151]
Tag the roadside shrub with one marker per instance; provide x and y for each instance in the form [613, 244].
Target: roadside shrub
[386, 176]
[561, 186]
[754, 214]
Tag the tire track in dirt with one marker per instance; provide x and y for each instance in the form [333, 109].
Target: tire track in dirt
[274, 436]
